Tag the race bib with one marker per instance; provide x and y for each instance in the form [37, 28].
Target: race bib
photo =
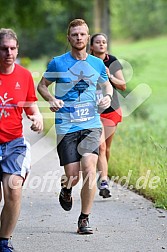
[82, 112]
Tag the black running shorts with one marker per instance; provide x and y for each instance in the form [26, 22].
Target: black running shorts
[72, 146]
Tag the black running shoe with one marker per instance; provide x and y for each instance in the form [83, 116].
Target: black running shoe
[83, 226]
[65, 199]
[104, 189]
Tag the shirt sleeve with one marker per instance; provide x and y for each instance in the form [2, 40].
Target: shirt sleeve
[31, 93]
[103, 76]
[50, 73]
[115, 65]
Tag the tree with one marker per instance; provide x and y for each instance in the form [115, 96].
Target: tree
[138, 19]
[102, 16]
[46, 21]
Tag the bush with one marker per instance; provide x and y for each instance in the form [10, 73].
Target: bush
[25, 61]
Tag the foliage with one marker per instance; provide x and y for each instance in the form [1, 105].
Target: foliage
[138, 19]
[140, 143]
[41, 25]
[20, 14]
[25, 62]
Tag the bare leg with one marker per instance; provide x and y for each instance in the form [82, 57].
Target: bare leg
[104, 154]
[89, 182]
[71, 174]
[12, 202]
[104, 151]
[102, 164]
[109, 134]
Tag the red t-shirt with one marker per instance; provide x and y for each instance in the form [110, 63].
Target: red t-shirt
[14, 88]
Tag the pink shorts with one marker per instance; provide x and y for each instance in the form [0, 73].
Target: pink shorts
[111, 119]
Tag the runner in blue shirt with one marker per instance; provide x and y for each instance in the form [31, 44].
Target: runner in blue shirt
[78, 125]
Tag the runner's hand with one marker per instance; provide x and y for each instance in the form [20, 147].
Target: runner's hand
[56, 104]
[37, 124]
[105, 102]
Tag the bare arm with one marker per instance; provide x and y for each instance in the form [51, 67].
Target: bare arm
[55, 104]
[107, 91]
[117, 79]
[32, 111]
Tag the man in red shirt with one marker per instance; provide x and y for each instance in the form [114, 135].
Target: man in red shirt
[17, 94]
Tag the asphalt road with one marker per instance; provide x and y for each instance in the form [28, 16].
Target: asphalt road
[126, 222]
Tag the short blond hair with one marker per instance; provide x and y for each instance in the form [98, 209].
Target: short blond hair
[77, 22]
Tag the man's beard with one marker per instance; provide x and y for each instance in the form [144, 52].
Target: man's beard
[79, 48]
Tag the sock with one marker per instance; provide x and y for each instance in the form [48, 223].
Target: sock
[83, 216]
[67, 190]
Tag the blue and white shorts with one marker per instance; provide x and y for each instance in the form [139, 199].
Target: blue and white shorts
[15, 158]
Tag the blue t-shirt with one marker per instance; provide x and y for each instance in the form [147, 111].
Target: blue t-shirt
[76, 84]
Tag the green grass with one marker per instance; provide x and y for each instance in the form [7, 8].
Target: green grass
[139, 149]
[140, 143]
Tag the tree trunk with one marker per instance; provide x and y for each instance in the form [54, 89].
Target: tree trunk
[102, 17]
